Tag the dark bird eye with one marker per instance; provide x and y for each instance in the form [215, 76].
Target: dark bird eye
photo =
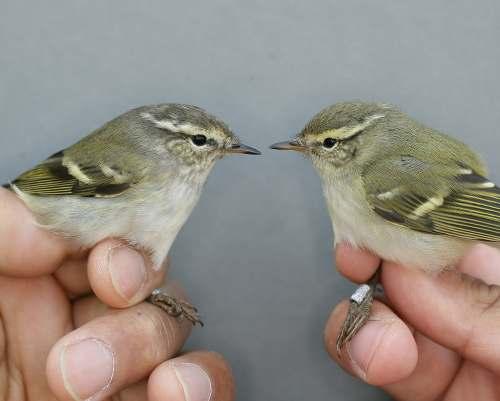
[329, 143]
[199, 140]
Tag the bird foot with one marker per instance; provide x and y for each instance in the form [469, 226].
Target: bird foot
[175, 307]
[359, 312]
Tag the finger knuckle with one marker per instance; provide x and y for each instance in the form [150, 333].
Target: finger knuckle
[161, 330]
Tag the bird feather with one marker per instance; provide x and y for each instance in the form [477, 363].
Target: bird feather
[435, 199]
[61, 175]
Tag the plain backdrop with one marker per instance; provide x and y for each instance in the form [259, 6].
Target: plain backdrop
[255, 255]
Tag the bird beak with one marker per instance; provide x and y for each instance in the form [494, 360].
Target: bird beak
[243, 149]
[289, 145]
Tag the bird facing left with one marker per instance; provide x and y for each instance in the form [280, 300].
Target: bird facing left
[136, 178]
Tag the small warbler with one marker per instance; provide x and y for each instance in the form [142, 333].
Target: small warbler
[137, 178]
[405, 191]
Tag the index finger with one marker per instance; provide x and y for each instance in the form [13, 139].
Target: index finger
[27, 250]
[356, 264]
[454, 310]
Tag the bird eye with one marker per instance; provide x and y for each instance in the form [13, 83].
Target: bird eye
[329, 143]
[199, 140]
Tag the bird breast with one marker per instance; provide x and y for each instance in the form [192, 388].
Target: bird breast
[161, 213]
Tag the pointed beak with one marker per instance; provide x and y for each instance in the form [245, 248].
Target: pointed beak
[243, 149]
[289, 145]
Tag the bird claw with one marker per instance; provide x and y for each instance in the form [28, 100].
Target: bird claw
[359, 312]
[175, 307]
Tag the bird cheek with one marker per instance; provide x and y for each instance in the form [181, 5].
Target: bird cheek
[178, 147]
[342, 155]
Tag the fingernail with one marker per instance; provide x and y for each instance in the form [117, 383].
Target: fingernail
[87, 368]
[127, 270]
[194, 382]
[363, 346]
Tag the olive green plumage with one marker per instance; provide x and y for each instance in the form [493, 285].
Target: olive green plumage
[408, 193]
[138, 177]
[381, 168]
[458, 203]
[121, 153]
[52, 178]
[422, 165]
[413, 175]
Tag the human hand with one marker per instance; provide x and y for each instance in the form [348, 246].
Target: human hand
[62, 331]
[435, 337]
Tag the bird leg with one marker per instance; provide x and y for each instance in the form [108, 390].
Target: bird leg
[360, 306]
[174, 307]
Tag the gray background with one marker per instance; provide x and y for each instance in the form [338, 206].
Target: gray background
[255, 255]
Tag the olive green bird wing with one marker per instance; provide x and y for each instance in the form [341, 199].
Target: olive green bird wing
[62, 175]
[454, 201]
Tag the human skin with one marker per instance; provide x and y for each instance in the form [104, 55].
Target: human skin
[434, 337]
[74, 324]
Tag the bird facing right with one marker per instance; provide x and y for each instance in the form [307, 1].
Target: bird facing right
[394, 186]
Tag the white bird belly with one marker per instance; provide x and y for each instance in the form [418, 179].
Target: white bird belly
[356, 223]
[151, 222]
